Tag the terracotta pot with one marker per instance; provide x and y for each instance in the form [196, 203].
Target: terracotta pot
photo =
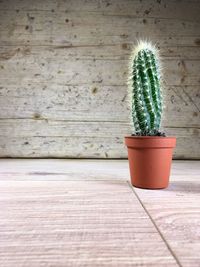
[150, 160]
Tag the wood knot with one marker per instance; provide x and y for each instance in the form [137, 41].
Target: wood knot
[197, 41]
[124, 46]
[94, 90]
[36, 116]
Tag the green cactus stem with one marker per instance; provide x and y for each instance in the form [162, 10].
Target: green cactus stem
[144, 85]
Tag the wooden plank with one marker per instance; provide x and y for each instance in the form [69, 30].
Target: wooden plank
[53, 24]
[115, 51]
[181, 104]
[125, 41]
[53, 29]
[24, 20]
[66, 169]
[77, 71]
[43, 138]
[127, 8]
[176, 212]
[91, 223]
[62, 169]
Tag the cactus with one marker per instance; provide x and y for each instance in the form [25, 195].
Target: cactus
[145, 92]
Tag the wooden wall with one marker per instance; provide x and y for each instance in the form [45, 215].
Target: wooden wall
[63, 67]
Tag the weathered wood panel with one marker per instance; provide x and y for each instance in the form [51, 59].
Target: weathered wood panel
[67, 61]
[79, 101]
[55, 138]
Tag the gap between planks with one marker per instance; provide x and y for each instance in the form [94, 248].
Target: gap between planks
[155, 225]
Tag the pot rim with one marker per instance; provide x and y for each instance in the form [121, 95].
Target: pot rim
[149, 137]
[150, 141]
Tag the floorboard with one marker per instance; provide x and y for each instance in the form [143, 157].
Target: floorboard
[176, 212]
[85, 213]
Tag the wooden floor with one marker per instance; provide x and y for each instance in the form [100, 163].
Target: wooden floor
[85, 213]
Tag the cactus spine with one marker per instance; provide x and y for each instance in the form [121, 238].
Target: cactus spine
[144, 85]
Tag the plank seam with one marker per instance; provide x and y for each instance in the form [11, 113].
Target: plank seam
[155, 225]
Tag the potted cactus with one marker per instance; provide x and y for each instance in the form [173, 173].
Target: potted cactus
[149, 150]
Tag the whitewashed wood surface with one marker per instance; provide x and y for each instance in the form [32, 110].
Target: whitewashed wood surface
[85, 213]
[63, 70]
[176, 212]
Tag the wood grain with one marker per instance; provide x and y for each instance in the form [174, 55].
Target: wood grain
[176, 212]
[83, 223]
[84, 213]
[93, 140]
[67, 61]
